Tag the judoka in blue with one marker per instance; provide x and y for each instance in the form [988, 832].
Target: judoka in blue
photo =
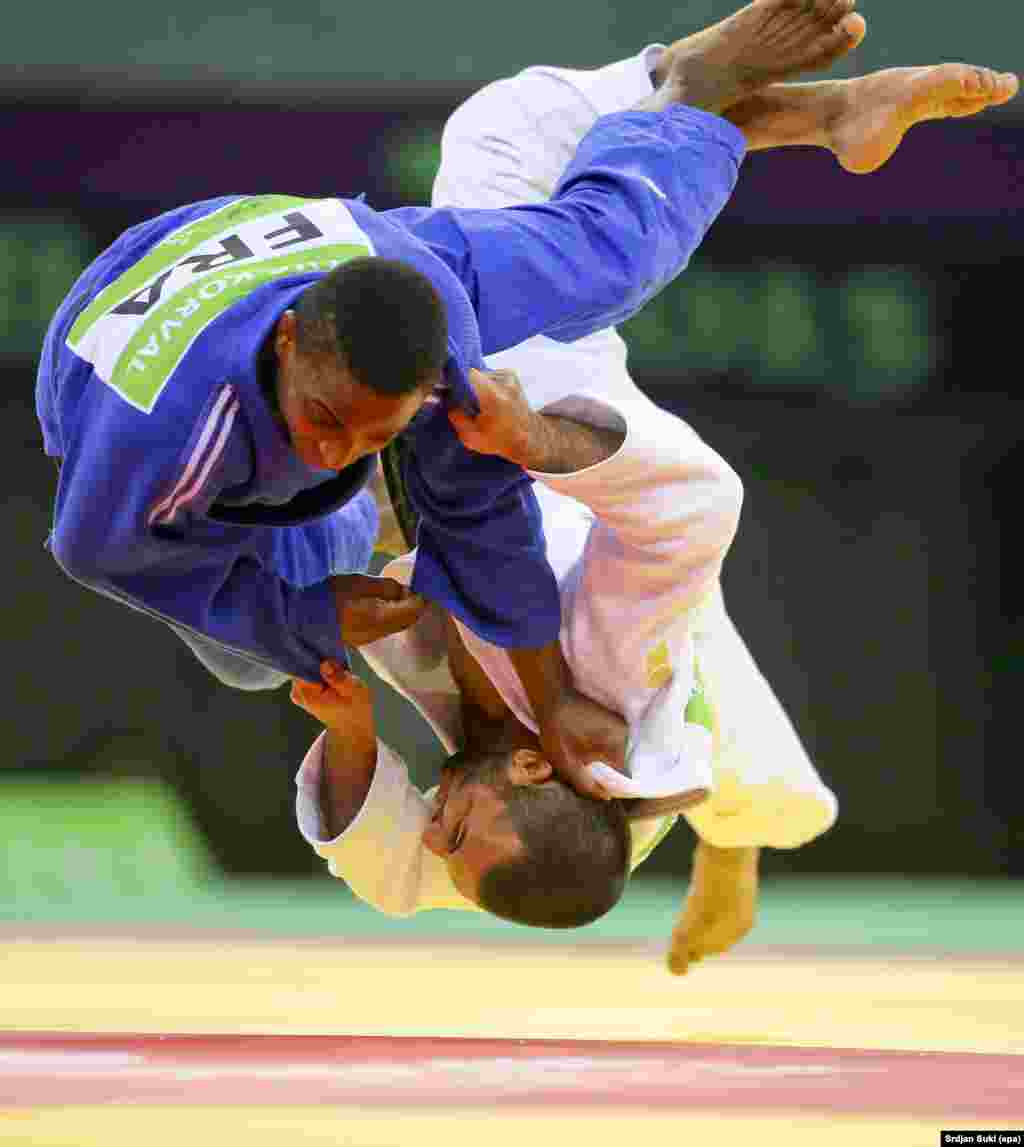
[180, 493]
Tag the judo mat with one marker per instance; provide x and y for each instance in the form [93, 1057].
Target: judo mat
[163, 1037]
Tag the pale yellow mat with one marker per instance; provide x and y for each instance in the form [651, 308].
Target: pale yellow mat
[362, 988]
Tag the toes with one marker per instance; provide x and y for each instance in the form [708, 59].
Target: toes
[997, 87]
[977, 83]
[968, 83]
[961, 109]
[985, 81]
[1007, 86]
[853, 27]
[822, 32]
[846, 31]
[987, 86]
[845, 36]
[835, 10]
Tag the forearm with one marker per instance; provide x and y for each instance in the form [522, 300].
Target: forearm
[552, 444]
[482, 704]
[345, 779]
[544, 676]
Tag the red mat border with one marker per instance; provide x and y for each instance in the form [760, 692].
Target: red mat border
[60, 1068]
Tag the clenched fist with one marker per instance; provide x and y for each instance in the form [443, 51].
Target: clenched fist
[577, 731]
[505, 423]
[340, 702]
[370, 608]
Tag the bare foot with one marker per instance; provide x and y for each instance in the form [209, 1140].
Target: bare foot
[720, 908]
[878, 109]
[767, 41]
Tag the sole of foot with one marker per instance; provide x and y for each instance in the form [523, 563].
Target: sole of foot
[880, 109]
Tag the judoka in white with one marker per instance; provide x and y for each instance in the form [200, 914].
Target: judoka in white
[637, 540]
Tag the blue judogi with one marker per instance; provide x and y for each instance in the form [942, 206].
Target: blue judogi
[179, 492]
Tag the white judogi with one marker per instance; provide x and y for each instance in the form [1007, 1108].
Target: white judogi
[636, 543]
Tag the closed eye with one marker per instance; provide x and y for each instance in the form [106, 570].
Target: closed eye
[459, 839]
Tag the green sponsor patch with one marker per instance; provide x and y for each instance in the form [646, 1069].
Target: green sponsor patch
[151, 355]
[173, 249]
[698, 711]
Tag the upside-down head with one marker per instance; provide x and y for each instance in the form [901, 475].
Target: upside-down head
[524, 845]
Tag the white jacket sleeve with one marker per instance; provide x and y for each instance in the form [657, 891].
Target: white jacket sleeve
[666, 507]
[380, 856]
[637, 543]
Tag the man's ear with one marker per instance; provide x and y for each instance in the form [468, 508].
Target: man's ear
[528, 767]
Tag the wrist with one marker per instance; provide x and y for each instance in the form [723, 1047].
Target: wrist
[528, 446]
[563, 446]
[346, 776]
[346, 752]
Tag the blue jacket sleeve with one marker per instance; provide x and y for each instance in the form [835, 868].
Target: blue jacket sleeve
[480, 545]
[192, 571]
[628, 213]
